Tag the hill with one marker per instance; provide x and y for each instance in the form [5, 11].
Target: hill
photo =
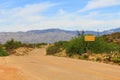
[112, 38]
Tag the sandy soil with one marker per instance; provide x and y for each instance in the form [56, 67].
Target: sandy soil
[38, 66]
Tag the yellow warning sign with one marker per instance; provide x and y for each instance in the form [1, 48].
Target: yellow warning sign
[89, 38]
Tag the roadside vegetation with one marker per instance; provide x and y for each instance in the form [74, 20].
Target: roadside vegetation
[100, 50]
[3, 52]
[12, 44]
[103, 49]
[14, 47]
[56, 47]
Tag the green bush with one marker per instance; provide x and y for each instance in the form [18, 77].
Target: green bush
[84, 56]
[57, 47]
[98, 59]
[61, 44]
[99, 46]
[114, 48]
[12, 44]
[29, 45]
[33, 45]
[76, 46]
[3, 52]
[39, 45]
[51, 50]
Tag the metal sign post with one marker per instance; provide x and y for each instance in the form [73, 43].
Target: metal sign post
[88, 38]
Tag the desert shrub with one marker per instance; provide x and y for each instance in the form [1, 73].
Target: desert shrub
[107, 57]
[114, 48]
[1, 45]
[98, 59]
[39, 45]
[99, 46]
[56, 47]
[84, 56]
[33, 45]
[76, 46]
[116, 58]
[52, 50]
[3, 52]
[81, 57]
[28, 45]
[12, 44]
[61, 44]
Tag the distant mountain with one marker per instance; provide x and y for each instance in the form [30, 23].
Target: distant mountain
[51, 30]
[47, 35]
[110, 31]
[38, 36]
[74, 32]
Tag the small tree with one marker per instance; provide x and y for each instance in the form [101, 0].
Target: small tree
[12, 44]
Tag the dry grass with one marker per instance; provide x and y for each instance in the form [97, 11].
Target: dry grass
[22, 51]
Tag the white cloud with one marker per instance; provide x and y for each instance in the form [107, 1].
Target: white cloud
[95, 4]
[21, 17]
[30, 17]
[28, 10]
[61, 12]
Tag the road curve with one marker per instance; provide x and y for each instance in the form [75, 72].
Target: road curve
[38, 66]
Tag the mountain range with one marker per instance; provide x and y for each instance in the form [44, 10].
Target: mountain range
[47, 35]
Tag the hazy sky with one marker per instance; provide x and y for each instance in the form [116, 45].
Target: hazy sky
[23, 15]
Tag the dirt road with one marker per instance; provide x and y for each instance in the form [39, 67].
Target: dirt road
[38, 66]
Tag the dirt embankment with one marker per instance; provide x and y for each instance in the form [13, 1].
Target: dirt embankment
[37, 66]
